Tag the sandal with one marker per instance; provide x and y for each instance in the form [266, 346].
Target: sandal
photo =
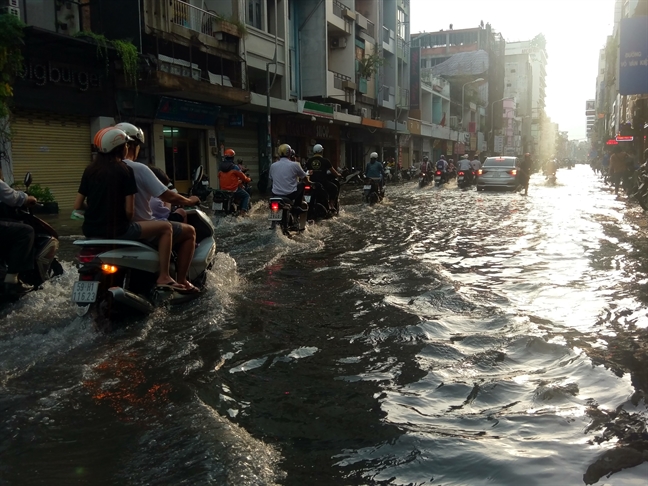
[173, 286]
[190, 289]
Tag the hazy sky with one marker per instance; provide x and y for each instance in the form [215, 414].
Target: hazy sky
[575, 31]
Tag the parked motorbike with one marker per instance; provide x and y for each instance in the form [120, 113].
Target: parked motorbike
[639, 185]
[46, 244]
[117, 278]
[289, 216]
[351, 176]
[372, 191]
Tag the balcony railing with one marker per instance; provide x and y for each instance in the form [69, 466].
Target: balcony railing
[403, 49]
[385, 35]
[193, 18]
[404, 99]
[385, 93]
[338, 8]
[338, 79]
[371, 29]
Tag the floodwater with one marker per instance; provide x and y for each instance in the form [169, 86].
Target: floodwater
[443, 337]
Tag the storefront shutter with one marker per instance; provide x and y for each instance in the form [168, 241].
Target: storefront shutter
[54, 148]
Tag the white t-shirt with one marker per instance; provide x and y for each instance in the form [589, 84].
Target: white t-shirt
[285, 175]
[148, 186]
[476, 164]
[464, 164]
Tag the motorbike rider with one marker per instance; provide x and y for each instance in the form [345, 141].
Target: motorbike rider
[524, 173]
[107, 187]
[231, 179]
[149, 186]
[16, 240]
[476, 164]
[321, 167]
[425, 165]
[375, 170]
[442, 165]
[285, 175]
[464, 165]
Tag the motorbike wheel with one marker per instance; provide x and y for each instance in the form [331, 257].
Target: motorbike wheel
[101, 313]
[55, 269]
[373, 198]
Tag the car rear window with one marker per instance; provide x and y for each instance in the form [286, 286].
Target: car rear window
[497, 162]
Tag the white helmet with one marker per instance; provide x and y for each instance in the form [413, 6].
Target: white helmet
[108, 139]
[132, 131]
[318, 149]
[373, 155]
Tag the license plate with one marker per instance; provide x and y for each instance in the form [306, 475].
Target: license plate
[217, 206]
[205, 183]
[437, 178]
[307, 199]
[366, 188]
[460, 179]
[85, 292]
[275, 216]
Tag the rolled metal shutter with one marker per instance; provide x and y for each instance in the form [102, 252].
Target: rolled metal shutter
[54, 148]
[245, 142]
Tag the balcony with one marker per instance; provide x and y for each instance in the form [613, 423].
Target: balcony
[199, 20]
[403, 49]
[403, 98]
[371, 29]
[388, 40]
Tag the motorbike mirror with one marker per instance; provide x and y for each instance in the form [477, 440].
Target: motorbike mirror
[28, 179]
[198, 174]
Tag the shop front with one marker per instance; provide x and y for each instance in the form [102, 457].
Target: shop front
[302, 134]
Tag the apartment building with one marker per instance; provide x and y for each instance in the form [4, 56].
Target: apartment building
[518, 79]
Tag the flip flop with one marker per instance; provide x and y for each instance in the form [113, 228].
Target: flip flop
[173, 286]
[192, 289]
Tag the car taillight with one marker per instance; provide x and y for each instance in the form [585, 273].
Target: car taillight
[438, 172]
[86, 255]
[274, 206]
[514, 172]
[461, 173]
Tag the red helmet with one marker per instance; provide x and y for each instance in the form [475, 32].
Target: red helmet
[229, 153]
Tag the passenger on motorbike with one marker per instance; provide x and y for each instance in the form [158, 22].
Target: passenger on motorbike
[475, 164]
[231, 179]
[16, 240]
[149, 186]
[163, 211]
[321, 167]
[285, 176]
[108, 186]
[375, 170]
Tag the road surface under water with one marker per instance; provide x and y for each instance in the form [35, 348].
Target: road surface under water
[443, 337]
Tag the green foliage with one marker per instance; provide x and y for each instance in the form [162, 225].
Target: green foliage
[539, 41]
[11, 59]
[43, 194]
[369, 65]
[125, 49]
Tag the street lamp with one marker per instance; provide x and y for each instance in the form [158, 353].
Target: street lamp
[492, 128]
[462, 98]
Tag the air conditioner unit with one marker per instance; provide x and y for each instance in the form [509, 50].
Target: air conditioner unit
[454, 122]
[364, 113]
[10, 11]
[349, 14]
[348, 84]
[337, 42]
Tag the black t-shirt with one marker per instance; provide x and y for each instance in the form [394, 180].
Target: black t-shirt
[105, 191]
[319, 166]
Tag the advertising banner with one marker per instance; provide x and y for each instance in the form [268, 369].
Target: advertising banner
[633, 56]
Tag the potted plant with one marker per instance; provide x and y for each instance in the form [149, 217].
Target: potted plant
[44, 197]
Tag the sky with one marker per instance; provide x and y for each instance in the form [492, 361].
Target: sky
[575, 31]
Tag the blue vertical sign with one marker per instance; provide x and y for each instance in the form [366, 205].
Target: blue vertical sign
[633, 56]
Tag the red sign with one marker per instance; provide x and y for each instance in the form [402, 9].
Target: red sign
[627, 138]
[611, 142]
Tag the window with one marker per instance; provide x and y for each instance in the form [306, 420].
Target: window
[508, 85]
[401, 24]
[512, 70]
[254, 13]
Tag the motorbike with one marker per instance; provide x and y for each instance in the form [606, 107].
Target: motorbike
[222, 202]
[438, 178]
[46, 244]
[289, 216]
[351, 176]
[639, 186]
[317, 201]
[424, 179]
[117, 278]
[464, 179]
[372, 191]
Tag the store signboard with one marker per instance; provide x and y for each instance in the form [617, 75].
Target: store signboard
[633, 56]
[173, 109]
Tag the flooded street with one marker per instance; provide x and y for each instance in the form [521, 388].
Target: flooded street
[442, 337]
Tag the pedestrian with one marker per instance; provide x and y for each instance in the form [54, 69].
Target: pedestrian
[617, 168]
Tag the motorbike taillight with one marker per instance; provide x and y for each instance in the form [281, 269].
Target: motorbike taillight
[438, 172]
[307, 188]
[274, 206]
[461, 173]
[86, 255]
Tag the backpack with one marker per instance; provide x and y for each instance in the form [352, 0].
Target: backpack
[440, 165]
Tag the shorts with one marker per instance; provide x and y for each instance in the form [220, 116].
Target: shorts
[175, 217]
[134, 232]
